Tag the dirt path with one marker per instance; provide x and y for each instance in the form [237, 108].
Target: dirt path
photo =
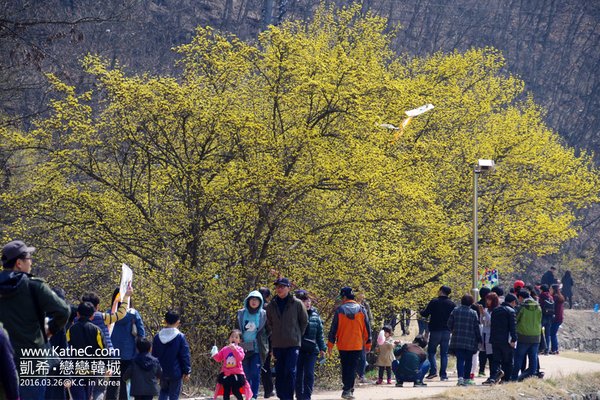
[553, 366]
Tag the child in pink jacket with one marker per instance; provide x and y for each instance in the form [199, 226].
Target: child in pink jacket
[232, 379]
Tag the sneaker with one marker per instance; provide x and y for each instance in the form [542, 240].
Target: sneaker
[554, 352]
[379, 381]
[347, 395]
[269, 395]
[431, 376]
[540, 375]
[363, 380]
[444, 379]
[469, 382]
[420, 384]
[472, 376]
[489, 382]
[399, 384]
[461, 382]
[389, 381]
[481, 375]
[499, 375]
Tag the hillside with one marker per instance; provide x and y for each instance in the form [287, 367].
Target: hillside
[552, 45]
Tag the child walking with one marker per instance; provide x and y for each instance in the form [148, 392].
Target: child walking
[386, 356]
[232, 377]
[144, 372]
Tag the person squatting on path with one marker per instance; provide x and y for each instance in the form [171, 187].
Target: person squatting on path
[313, 345]
[466, 337]
[386, 355]
[438, 310]
[232, 380]
[350, 332]
[252, 321]
[24, 300]
[286, 320]
[411, 362]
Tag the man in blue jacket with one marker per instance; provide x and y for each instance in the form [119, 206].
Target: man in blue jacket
[173, 352]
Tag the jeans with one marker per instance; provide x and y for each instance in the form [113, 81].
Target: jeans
[464, 362]
[252, 366]
[554, 335]
[305, 375]
[285, 371]
[170, 388]
[547, 325]
[523, 349]
[441, 338]
[348, 359]
[502, 358]
[420, 375]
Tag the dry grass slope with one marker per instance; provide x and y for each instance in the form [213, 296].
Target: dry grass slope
[576, 386]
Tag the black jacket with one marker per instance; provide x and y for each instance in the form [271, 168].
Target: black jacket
[83, 334]
[144, 372]
[503, 324]
[438, 310]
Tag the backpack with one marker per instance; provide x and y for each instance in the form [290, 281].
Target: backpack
[548, 308]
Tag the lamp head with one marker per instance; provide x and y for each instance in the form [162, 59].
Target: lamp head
[485, 166]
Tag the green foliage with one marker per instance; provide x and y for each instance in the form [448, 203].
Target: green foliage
[268, 159]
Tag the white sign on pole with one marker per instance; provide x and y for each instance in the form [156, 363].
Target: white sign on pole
[126, 279]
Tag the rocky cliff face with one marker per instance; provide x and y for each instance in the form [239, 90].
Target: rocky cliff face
[579, 331]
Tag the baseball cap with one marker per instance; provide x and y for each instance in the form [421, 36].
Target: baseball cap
[301, 294]
[15, 249]
[282, 281]
[519, 284]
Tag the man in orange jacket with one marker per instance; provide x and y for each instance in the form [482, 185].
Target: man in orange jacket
[350, 331]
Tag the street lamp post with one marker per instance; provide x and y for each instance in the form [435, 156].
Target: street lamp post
[481, 167]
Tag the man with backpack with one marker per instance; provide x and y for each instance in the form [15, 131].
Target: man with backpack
[24, 303]
[529, 329]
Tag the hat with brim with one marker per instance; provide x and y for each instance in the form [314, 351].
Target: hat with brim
[282, 281]
[15, 249]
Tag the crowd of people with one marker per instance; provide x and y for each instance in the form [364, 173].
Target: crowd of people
[50, 350]
[508, 331]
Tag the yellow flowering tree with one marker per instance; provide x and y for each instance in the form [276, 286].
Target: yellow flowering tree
[269, 159]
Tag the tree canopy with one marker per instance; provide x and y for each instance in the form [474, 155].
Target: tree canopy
[266, 159]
